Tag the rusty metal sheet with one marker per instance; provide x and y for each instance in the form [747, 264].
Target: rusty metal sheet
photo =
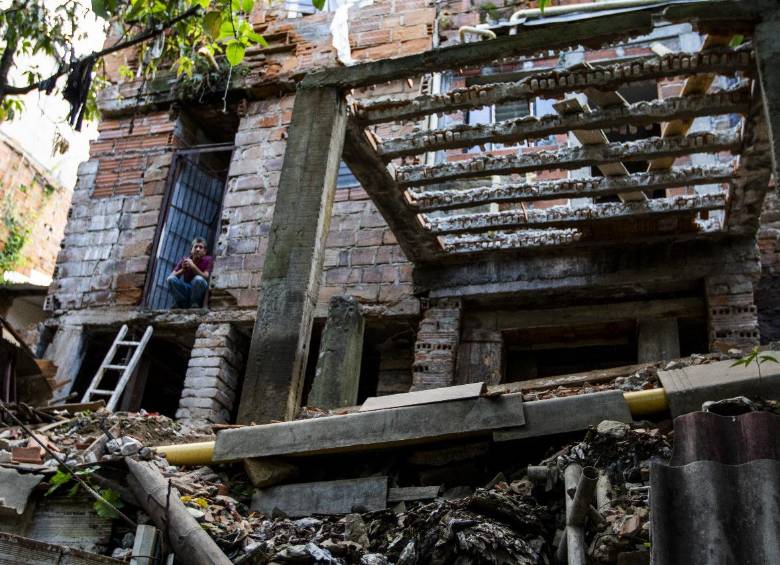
[708, 512]
[703, 436]
[16, 549]
[718, 502]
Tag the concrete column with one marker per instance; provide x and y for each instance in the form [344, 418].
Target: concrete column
[211, 382]
[659, 340]
[436, 348]
[337, 377]
[293, 263]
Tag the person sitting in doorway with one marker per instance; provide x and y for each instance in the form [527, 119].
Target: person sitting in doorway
[189, 280]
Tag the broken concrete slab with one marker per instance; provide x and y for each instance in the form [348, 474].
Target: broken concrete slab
[372, 430]
[568, 414]
[15, 489]
[688, 388]
[429, 396]
[327, 497]
[16, 549]
[413, 493]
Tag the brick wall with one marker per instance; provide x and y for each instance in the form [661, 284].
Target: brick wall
[37, 202]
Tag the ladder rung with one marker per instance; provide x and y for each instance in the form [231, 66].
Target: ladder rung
[101, 391]
[117, 367]
[128, 343]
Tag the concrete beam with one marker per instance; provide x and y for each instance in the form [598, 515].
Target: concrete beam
[293, 263]
[768, 58]
[337, 377]
[378, 181]
[364, 431]
[568, 414]
[689, 387]
[570, 158]
[430, 396]
[326, 497]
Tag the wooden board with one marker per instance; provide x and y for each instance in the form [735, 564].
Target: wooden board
[430, 396]
[412, 493]
[327, 497]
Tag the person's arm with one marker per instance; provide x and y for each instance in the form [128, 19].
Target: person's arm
[178, 269]
[191, 265]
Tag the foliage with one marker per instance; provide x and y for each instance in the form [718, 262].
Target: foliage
[755, 356]
[188, 36]
[17, 233]
[62, 477]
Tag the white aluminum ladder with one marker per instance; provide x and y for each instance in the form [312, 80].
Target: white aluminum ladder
[108, 365]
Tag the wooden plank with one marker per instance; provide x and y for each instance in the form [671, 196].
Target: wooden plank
[569, 158]
[595, 187]
[291, 271]
[697, 84]
[554, 83]
[412, 493]
[568, 414]
[379, 429]
[565, 216]
[378, 181]
[430, 396]
[572, 116]
[367, 494]
[598, 137]
[768, 56]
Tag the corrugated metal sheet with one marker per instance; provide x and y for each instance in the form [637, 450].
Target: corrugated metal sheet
[703, 436]
[15, 550]
[718, 502]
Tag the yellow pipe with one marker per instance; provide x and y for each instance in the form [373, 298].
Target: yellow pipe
[640, 403]
[646, 402]
[188, 453]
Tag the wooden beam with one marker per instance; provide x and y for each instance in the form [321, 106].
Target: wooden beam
[595, 187]
[768, 55]
[378, 181]
[695, 85]
[567, 216]
[293, 263]
[531, 127]
[569, 158]
[556, 82]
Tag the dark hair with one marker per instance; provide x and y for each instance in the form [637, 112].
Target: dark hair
[200, 240]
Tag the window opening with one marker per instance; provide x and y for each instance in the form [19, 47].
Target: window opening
[194, 204]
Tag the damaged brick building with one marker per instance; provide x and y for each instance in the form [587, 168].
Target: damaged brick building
[513, 208]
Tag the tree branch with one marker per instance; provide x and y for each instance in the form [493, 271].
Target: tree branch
[145, 35]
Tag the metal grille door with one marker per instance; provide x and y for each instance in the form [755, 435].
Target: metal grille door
[193, 211]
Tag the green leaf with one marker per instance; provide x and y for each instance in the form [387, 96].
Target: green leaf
[257, 38]
[202, 3]
[247, 5]
[543, 5]
[104, 510]
[770, 358]
[100, 8]
[235, 53]
[58, 479]
[319, 4]
[73, 490]
[211, 24]
[736, 41]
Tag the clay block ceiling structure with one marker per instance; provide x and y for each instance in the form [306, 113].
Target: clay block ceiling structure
[491, 202]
